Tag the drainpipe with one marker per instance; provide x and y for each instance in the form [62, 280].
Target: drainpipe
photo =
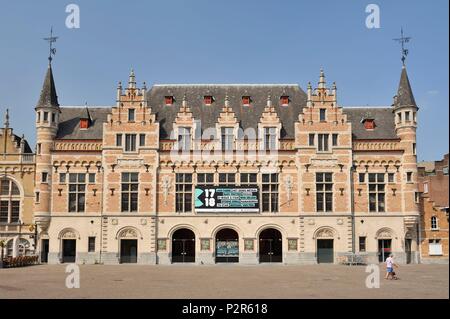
[101, 214]
[352, 207]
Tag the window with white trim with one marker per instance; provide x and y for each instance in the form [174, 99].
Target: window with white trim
[434, 223]
[129, 192]
[227, 138]
[270, 138]
[323, 142]
[269, 190]
[324, 192]
[376, 192]
[184, 138]
[77, 192]
[9, 201]
[183, 190]
[434, 247]
[130, 142]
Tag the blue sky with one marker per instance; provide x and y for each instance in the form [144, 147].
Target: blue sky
[233, 41]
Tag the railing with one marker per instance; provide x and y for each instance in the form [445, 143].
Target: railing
[28, 158]
[20, 261]
[352, 259]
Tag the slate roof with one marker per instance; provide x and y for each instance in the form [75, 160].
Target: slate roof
[382, 116]
[27, 149]
[69, 123]
[48, 97]
[404, 96]
[248, 116]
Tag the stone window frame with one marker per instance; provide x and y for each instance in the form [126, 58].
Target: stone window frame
[76, 187]
[13, 199]
[325, 189]
[182, 192]
[133, 189]
[377, 191]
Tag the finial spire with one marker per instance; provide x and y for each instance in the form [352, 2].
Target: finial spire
[227, 100]
[184, 102]
[6, 123]
[269, 100]
[132, 80]
[51, 39]
[322, 79]
[402, 40]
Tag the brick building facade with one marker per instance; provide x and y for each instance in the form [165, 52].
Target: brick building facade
[433, 186]
[17, 169]
[120, 184]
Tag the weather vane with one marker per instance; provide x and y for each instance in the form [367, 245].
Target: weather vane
[403, 40]
[50, 41]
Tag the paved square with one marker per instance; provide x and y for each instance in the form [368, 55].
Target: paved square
[222, 281]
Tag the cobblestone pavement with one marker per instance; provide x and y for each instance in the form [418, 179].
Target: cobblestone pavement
[223, 281]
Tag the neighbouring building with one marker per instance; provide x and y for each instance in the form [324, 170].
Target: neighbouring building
[433, 187]
[16, 193]
[210, 173]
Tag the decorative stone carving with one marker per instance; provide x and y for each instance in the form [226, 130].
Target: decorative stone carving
[249, 244]
[162, 244]
[311, 221]
[69, 234]
[128, 233]
[166, 187]
[292, 244]
[324, 162]
[384, 234]
[114, 221]
[289, 185]
[205, 244]
[340, 221]
[135, 163]
[325, 233]
[143, 221]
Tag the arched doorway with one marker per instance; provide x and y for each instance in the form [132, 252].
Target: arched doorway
[270, 246]
[227, 246]
[325, 245]
[128, 244]
[384, 237]
[183, 246]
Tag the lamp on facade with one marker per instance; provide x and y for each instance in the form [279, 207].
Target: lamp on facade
[341, 166]
[146, 191]
[359, 191]
[307, 191]
[59, 191]
[342, 191]
[147, 166]
[112, 191]
[113, 166]
[393, 191]
[307, 167]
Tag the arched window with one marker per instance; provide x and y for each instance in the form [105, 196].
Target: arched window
[23, 248]
[434, 222]
[9, 201]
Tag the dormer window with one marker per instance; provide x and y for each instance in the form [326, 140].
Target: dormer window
[84, 123]
[246, 100]
[284, 100]
[369, 124]
[208, 99]
[168, 100]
